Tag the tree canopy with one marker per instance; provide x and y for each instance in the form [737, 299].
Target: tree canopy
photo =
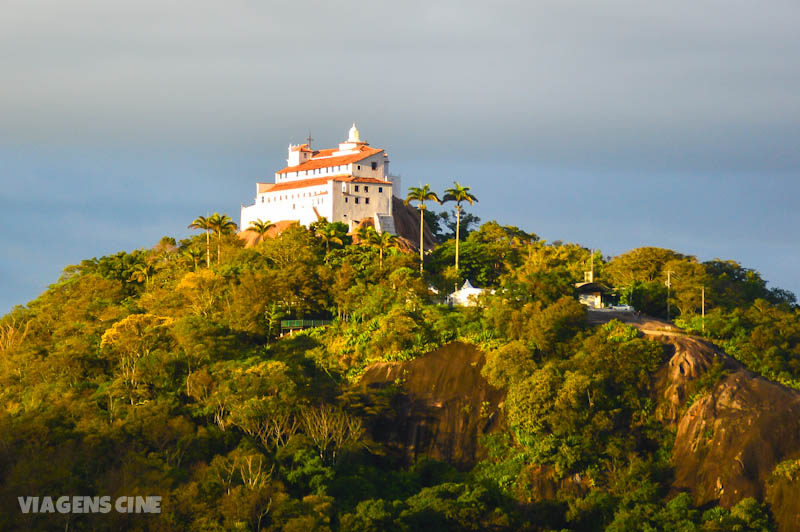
[140, 372]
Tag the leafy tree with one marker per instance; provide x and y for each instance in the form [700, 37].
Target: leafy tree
[644, 264]
[574, 412]
[467, 222]
[131, 340]
[421, 195]
[372, 515]
[203, 290]
[458, 194]
[748, 515]
[434, 222]
[331, 430]
[687, 280]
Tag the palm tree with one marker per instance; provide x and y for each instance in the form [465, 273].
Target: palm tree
[458, 194]
[382, 241]
[192, 254]
[330, 235]
[261, 228]
[363, 232]
[142, 273]
[421, 195]
[221, 224]
[203, 223]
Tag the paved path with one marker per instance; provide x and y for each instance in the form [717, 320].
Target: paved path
[647, 324]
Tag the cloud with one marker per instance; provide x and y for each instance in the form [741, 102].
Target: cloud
[700, 84]
[178, 107]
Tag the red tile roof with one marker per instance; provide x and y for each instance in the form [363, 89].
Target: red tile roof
[303, 183]
[354, 179]
[316, 181]
[324, 159]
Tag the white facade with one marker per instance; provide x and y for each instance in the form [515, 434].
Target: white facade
[348, 184]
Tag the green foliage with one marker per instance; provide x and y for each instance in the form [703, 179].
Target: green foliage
[575, 413]
[764, 336]
[640, 277]
[147, 373]
[447, 224]
[747, 516]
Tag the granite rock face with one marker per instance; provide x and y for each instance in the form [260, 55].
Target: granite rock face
[732, 432]
[445, 405]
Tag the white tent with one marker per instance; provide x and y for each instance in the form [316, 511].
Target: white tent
[466, 296]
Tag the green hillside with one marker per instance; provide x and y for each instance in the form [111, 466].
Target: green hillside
[150, 373]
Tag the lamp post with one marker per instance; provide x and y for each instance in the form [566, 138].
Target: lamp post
[703, 306]
[669, 285]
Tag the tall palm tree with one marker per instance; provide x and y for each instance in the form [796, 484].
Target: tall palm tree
[421, 195]
[382, 242]
[458, 194]
[203, 223]
[261, 227]
[221, 224]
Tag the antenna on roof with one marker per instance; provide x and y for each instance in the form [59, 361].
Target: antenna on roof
[309, 139]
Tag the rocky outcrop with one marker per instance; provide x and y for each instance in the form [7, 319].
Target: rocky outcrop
[443, 407]
[402, 243]
[733, 429]
[689, 360]
[730, 439]
[406, 223]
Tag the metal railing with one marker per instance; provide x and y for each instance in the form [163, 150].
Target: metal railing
[303, 324]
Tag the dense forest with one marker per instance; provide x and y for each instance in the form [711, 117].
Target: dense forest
[163, 371]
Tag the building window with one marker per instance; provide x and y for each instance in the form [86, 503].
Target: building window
[366, 188]
[346, 199]
[366, 200]
[374, 166]
[356, 188]
[356, 201]
[380, 190]
[359, 167]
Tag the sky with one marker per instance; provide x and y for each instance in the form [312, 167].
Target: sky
[614, 124]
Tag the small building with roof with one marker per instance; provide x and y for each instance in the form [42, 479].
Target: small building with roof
[591, 294]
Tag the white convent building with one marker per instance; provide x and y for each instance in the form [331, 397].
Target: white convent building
[348, 184]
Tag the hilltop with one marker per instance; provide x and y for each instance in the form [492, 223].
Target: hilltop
[149, 373]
